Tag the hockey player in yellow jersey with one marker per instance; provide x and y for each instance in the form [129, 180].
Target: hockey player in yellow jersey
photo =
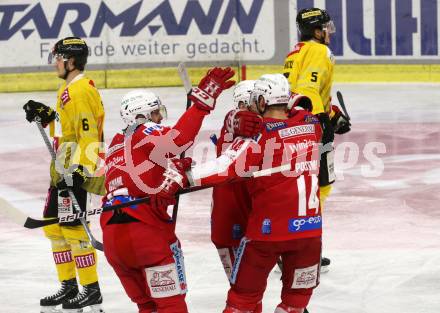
[76, 126]
[309, 70]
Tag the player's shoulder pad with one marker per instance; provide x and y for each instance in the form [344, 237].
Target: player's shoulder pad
[296, 49]
[150, 127]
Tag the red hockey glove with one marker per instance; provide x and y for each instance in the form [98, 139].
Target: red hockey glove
[215, 81]
[174, 180]
[243, 123]
[340, 122]
[297, 101]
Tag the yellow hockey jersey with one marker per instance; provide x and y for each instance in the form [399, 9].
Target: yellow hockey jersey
[309, 70]
[78, 131]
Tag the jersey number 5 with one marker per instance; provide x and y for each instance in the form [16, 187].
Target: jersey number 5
[314, 78]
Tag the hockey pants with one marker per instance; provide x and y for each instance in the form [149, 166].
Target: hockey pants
[149, 264]
[255, 260]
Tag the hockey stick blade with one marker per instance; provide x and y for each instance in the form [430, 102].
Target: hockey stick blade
[342, 103]
[18, 217]
[183, 74]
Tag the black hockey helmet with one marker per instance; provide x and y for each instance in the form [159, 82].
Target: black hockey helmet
[71, 47]
[307, 20]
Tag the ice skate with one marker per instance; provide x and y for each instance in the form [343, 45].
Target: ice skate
[325, 262]
[89, 298]
[68, 290]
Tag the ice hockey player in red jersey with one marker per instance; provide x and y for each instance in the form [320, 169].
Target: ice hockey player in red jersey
[285, 219]
[231, 202]
[139, 241]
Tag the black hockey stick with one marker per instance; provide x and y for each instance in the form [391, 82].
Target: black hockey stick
[342, 103]
[95, 243]
[16, 215]
[183, 74]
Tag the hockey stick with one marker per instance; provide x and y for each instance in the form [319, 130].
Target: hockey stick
[35, 223]
[184, 77]
[342, 103]
[95, 243]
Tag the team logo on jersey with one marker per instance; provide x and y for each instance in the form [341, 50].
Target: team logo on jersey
[65, 97]
[275, 126]
[306, 223]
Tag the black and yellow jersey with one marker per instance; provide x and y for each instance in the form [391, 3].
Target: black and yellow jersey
[309, 70]
[78, 130]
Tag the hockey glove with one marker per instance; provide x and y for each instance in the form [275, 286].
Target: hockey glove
[243, 123]
[215, 81]
[328, 133]
[35, 109]
[296, 101]
[174, 180]
[74, 180]
[340, 122]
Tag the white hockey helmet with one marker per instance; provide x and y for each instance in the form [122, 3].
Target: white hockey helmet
[274, 88]
[140, 103]
[242, 92]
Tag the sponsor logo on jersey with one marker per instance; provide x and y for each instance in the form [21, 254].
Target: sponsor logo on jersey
[305, 277]
[306, 166]
[275, 126]
[114, 148]
[114, 161]
[115, 183]
[302, 146]
[296, 130]
[305, 223]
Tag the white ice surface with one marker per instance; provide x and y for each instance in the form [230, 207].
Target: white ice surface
[381, 233]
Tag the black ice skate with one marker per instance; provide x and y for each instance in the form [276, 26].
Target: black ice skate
[68, 290]
[89, 297]
[325, 262]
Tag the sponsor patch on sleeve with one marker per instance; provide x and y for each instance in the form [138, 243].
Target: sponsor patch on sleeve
[305, 277]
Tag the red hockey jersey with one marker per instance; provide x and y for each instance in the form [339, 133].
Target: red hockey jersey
[135, 164]
[231, 204]
[285, 205]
